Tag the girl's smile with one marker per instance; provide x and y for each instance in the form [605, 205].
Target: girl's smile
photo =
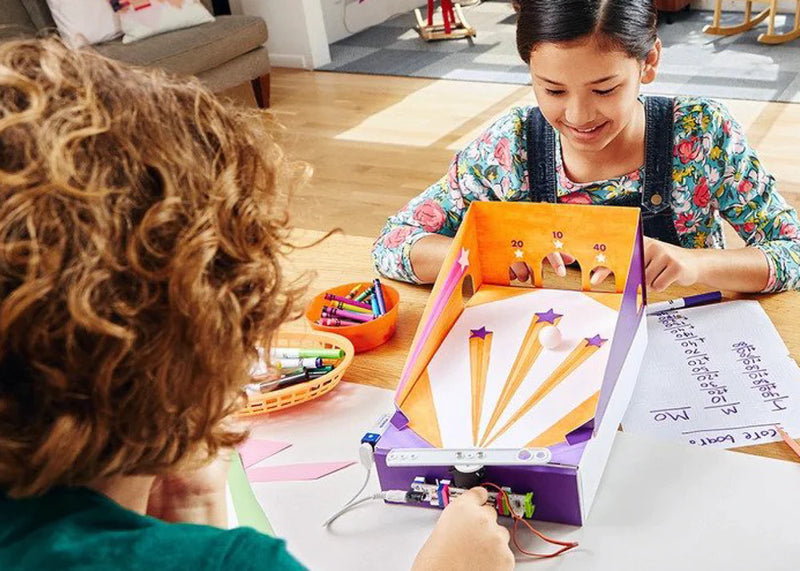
[586, 134]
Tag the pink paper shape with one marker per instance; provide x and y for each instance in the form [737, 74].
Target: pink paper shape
[457, 271]
[293, 472]
[254, 451]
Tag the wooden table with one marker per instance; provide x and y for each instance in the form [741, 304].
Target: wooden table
[343, 259]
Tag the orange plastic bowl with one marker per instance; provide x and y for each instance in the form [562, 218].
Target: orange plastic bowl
[364, 336]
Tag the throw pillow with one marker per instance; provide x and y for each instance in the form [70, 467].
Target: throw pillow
[141, 19]
[85, 22]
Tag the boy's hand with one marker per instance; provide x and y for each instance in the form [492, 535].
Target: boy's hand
[467, 536]
[192, 497]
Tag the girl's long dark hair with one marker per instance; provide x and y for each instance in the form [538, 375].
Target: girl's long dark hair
[627, 25]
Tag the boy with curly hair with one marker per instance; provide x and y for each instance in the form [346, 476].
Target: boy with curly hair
[141, 228]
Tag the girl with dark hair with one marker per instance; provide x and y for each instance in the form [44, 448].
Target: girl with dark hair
[594, 139]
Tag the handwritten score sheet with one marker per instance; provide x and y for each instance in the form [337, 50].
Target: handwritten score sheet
[717, 376]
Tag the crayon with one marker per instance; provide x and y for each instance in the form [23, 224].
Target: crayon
[364, 294]
[332, 297]
[375, 311]
[379, 296]
[353, 292]
[302, 353]
[333, 312]
[336, 322]
[348, 307]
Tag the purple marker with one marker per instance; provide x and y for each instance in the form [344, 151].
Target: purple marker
[379, 296]
[681, 302]
[361, 304]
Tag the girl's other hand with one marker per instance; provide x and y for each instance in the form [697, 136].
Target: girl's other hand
[558, 261]
[665, 264]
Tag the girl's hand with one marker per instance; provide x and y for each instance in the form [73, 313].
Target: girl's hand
[558, 261]
[664, 264]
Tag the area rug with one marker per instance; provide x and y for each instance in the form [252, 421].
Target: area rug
[694, 63]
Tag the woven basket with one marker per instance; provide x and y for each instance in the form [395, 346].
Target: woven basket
[308, 390]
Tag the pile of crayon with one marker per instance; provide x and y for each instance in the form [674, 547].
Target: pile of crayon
[288, 367]
[354, 309]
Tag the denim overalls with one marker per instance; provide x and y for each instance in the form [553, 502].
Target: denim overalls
[657, 184]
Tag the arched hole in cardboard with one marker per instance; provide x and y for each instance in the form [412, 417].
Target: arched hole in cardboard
[608, 284]
[551, 280]
[520, 275]
[467, 288]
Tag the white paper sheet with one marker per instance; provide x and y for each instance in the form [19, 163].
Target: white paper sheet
[716, 376]
[508, 320]
[660, 506]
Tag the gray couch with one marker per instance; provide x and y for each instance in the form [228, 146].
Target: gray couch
[223, 53]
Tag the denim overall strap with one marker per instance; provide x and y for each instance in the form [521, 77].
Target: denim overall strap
[541, 149]
[657, 184]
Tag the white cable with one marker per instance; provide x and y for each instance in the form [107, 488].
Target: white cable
[366, 456]
[361, 489]
[391, 496]
[348, 507]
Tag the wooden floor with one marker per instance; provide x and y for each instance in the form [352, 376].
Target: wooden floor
[376, 141]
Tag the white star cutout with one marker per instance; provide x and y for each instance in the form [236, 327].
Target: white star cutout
[519, 253]
[600, 258]
[558, 244]
[463, 260]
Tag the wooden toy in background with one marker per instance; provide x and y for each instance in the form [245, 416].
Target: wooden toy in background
[452, 27]
[771, 11]
[299, 368]
[365, 313]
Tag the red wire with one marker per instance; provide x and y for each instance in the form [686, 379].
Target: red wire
[567, 545]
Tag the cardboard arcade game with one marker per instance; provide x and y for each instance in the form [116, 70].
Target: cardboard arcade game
[479, 377]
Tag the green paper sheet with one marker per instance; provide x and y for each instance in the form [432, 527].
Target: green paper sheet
[248, 510]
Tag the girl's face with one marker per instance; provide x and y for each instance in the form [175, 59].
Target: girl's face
[588, 93]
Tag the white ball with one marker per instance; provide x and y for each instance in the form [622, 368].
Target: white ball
[550, 337]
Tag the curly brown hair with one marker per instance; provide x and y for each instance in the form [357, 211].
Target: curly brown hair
[141, 227]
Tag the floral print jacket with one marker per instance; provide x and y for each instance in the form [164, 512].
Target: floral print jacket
[715, 175]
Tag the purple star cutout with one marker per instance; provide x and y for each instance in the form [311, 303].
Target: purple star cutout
[482, 333]
[597, 341]
[548, 316]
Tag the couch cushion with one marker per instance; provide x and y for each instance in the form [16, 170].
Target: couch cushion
[193, 50]
[249, 66]
[14, 20]
[39, 13]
